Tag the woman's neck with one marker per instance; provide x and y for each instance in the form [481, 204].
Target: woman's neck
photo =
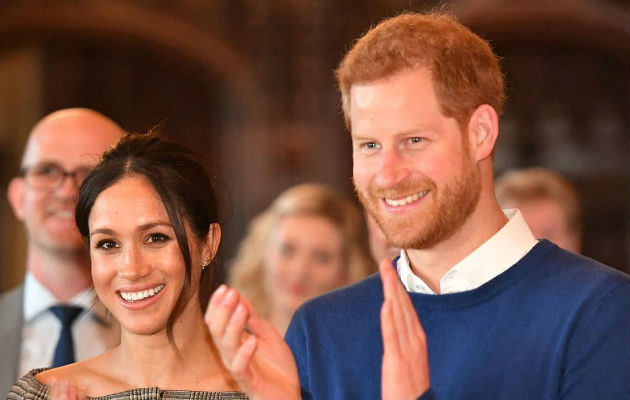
[191, 362]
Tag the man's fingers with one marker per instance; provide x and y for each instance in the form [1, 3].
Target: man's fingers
[404, 313]
[386, 270]
[395, 293]
[407, 314]
[391, 345]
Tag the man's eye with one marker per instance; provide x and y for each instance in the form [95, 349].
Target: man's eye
[47, 170]
[106, 244]
[369, 146]
[415, 140]
[157, 238]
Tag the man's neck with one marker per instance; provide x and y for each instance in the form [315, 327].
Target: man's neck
[65, 274]
[433, 263]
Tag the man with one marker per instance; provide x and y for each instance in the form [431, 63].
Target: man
[548, 202]
[505, 316]
[61, 150]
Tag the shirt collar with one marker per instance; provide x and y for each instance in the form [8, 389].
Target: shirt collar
[504, 249]
[38, 299]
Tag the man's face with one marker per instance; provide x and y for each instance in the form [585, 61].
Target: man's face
[72, 141]
[413, 169]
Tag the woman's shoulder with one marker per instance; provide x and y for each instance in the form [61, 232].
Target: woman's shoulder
[29, 387]
[76, 374]
[34, 385]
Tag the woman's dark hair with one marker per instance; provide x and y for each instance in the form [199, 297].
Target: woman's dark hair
[183, 185]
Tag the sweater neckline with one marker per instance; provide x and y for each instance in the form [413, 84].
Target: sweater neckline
[488, 289]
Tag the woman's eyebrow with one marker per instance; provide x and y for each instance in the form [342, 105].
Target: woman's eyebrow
[144, 227]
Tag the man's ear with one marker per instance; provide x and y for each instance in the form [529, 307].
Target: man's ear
[483, 130]
[15, 195]
[212, 242]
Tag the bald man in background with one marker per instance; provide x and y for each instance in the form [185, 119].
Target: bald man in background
[61, 150]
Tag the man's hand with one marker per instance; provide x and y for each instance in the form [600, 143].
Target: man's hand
[252, 350]
[405, 369]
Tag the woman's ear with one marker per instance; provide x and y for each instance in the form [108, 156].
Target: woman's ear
[212, 242]
[483, 130]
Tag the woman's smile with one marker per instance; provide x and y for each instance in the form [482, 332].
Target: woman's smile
[134, 299]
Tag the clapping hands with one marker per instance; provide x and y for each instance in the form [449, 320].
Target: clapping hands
[405, 368]
[251, 349]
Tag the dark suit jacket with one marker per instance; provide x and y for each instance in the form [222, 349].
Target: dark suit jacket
[10, 337]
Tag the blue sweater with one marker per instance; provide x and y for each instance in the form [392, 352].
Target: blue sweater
[553, 326]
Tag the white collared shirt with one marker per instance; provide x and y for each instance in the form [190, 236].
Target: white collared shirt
[504, 249]
[93, 332]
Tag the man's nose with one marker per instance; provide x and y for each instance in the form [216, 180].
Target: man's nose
[392, 171]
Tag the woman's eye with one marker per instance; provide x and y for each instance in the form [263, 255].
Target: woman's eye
[323, 258]
[106, 244]
[286, 250]
[157, 238]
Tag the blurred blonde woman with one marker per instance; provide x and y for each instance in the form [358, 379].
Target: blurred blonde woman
[309, 241]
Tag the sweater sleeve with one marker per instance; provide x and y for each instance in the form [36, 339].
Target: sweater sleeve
[597, 362]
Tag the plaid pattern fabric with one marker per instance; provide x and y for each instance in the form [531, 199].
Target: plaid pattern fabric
[29, 388]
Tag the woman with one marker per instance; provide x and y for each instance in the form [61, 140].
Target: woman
[309, 241]
[149, 215]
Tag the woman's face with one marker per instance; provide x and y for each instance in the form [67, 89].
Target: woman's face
[303, 259]
[137, 266]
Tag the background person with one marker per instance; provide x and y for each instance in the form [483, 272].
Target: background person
[61, 150]
[309, 241]
[149, 214]
[548, 201]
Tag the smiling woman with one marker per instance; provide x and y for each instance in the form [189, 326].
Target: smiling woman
[309, 241]
[149, 214]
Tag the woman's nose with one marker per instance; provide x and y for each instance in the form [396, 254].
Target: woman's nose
[300, 268]
[132, 265]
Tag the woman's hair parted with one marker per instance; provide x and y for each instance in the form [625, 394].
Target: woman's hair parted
[183, 185]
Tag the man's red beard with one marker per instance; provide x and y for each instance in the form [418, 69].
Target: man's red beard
[441, 213]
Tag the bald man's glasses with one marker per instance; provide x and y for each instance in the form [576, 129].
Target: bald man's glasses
[49, 175]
